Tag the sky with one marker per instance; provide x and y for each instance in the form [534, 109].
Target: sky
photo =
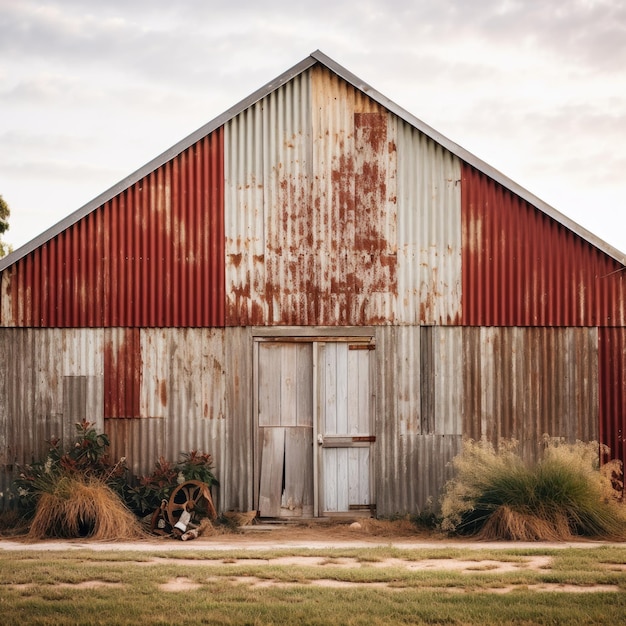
[91, 90]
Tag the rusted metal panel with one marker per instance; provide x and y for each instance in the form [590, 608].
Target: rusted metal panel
[354, 202]
[441, 380]
[150, 256]
[524, 383]
[523, 268]
[310, 227]
[612, 374]
[194, 395]
[428, 232]
[122, 370]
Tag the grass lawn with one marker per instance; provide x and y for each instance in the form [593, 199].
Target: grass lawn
[381, 585]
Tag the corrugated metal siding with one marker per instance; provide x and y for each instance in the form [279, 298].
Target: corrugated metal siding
[438, 384]
[522, 383]
[429, 231]
[413, 442]
[122, 372]
[152, 256]
[612, 376]
[522, 268]
[195, 395]
[310, 226]
[51, 379]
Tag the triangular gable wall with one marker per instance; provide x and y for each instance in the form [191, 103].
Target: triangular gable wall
[315, 204]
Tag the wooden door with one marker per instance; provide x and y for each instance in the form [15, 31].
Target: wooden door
[285, 429]
[345, 435]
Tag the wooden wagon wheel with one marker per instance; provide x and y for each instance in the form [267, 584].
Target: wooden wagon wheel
[193, 495]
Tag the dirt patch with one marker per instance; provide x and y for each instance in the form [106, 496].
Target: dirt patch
[184, 584]
[180, 583]
[85, 584]
[468, 566]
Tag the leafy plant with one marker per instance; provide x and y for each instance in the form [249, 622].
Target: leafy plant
[495, 495]
[87, 459]
[151, 490]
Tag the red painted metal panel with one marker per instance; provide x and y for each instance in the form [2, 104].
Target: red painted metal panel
[151, 256]
[612, 383]
[122, 372]
[522, 268]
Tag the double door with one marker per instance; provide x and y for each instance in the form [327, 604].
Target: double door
[314, 428]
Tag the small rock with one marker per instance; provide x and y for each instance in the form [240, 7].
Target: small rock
[355, 526]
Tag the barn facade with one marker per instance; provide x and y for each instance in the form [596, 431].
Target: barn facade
[325, 294]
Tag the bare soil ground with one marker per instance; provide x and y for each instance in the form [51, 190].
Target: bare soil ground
[362, 534]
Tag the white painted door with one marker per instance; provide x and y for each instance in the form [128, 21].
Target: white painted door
[345, 436]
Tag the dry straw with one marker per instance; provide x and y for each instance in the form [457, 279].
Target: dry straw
[83, 507]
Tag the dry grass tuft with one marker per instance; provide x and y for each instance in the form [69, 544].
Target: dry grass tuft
[236, 518]
[387, 528]
[83, 507]
[496, 495]
[508, 524]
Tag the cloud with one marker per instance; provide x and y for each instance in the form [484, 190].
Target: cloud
[534, 87]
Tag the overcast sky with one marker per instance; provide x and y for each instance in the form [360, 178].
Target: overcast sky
[91, 90]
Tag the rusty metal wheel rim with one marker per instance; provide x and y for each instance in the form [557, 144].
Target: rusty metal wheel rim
[185, 497]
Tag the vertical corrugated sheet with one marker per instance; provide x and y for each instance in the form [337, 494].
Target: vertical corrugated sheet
[122, 371]
[194, 393]
[354, 203]
[310, 207]
[439, 384]
[522, 383]
[51, 379]
[151, 256]
[522, 268]
[612, 383]
[189, 401]
[412, 450]
[429, 231]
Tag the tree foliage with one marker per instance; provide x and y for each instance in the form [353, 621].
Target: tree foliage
[5, 212]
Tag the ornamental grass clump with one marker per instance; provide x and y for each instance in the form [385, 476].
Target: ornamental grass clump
[80, 506]
[76, 493]
[496, 495]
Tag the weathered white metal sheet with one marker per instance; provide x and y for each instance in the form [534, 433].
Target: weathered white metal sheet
[429, 231]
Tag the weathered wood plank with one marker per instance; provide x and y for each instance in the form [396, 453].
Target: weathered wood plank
[272, 462]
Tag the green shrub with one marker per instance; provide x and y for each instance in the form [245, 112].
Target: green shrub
[87, 458]
[495, 495]
[147, 495]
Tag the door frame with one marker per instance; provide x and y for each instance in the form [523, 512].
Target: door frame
[316, 336]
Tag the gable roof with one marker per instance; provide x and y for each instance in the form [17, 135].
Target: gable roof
[314, 58]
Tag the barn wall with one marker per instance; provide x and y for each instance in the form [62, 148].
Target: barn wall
[612, 376]
[50, 380]
[434, 385]
[522, 268]
[437, 385]
[151, 256]
[194, 393]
